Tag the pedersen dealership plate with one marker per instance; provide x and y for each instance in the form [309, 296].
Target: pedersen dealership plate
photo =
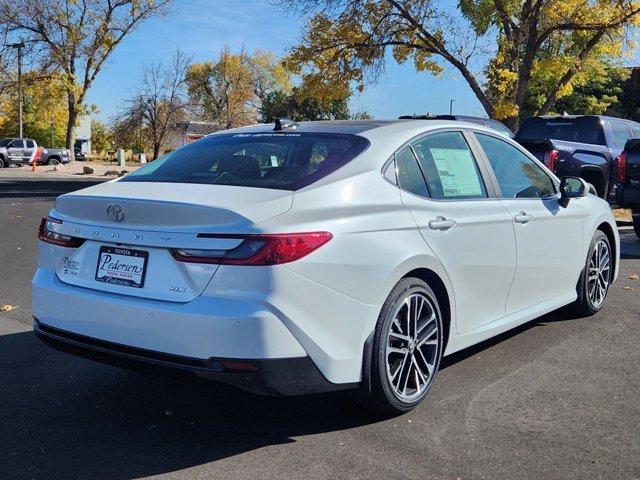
[122, 266]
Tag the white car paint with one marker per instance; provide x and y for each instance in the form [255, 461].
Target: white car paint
[497, 274]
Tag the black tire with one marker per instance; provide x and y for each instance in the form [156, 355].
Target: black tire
[585, 305]
[53, 161]
[4, 163]
[636, 224]
[382, 396]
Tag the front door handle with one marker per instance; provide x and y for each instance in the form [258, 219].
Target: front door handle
[523, 217]
[441, 223]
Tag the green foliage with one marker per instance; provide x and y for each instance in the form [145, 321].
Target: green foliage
[101, 137]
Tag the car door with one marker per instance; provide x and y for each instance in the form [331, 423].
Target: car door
[29, 151]
[462, 222]
[548, 235]
[16, 151]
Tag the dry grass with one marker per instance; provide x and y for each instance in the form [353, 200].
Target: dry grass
[622, 214]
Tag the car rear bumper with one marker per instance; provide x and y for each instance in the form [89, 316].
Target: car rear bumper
[290, 376]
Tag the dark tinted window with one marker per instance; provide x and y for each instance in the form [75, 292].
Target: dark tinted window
[581, 130]
[31, 144]
[449, 167]
[518, 175]
[17, 144]
[620, 133]
[285, 161]
[4, 142]
[409, 175]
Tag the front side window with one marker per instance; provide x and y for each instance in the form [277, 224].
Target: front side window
[16, 144]
[518, 176]
[449, 167]
[285, 161]
[409, 175]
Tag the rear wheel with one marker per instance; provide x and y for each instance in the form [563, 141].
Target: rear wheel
[596, 277]
[636, 223]
[53, 161]
[407, 349]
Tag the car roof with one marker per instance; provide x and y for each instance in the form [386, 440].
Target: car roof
[574, 117]
[353, 127]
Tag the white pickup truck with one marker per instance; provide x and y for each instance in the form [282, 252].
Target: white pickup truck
[22, 151]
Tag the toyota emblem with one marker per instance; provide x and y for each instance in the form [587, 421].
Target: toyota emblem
[116, 212]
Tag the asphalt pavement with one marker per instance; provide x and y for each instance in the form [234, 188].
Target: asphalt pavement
[558, 398]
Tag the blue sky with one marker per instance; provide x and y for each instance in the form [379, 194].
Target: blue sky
[201, 28]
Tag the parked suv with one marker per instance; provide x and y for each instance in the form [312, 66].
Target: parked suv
[485, 122]
[584, 146]
[22, 151]
[627, 191]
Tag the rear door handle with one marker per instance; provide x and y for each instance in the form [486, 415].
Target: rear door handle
[522, 217]
[441, 223]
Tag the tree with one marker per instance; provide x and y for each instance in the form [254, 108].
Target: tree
[299, 105]
[45, 112]
[77, 36]
[230, 90]
[101, 137]
[499, 47]
[159, 104]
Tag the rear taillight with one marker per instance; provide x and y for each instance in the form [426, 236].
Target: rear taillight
[46, 233]
[622, 167]
[550, 159]
[268, 249]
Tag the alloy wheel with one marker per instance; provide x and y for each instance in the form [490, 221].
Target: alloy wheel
[599, 273]
[412, 347]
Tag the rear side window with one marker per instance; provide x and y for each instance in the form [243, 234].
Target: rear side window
[30, 144]
[286, 161]
[518, 176]
[620, 133]
[449, 166]
[580, 130]
[409, 175]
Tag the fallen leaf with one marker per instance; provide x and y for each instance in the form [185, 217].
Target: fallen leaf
[635, 276]
[628, 288]
[6, 308]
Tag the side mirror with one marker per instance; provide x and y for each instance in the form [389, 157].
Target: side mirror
[573, 187]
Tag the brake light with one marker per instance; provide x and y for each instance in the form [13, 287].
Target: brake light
[550, 159]
[268, 249]
[622, 167]
[47, 234]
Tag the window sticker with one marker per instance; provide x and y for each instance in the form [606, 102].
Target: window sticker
[457, 171]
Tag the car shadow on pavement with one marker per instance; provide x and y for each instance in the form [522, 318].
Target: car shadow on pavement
[65, 417]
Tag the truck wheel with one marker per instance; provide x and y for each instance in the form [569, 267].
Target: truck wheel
[4, 163]
[53, 161]
[636, 223]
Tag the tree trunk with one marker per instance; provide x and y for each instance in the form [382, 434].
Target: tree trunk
[71, 124]
[156, 151]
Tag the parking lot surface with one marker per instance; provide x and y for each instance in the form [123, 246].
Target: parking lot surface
[557, 398]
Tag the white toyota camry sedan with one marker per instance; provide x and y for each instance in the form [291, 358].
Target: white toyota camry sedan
[319, 256]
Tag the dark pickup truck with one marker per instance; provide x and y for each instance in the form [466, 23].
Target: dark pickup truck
[627, 189]
[586, 146]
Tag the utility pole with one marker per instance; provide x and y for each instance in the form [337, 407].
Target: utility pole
[19, 46]
[451, 102]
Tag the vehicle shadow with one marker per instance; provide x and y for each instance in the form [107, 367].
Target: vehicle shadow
[47, 189]
[65, 417]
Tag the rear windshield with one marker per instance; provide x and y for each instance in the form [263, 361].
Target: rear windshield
[285, 161]
[580, 130]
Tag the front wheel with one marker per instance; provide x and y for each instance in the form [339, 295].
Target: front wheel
[4, 163]
[407, 348]
[596, 277]
[636, 223]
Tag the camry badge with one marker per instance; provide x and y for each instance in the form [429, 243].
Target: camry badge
[116, 212]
